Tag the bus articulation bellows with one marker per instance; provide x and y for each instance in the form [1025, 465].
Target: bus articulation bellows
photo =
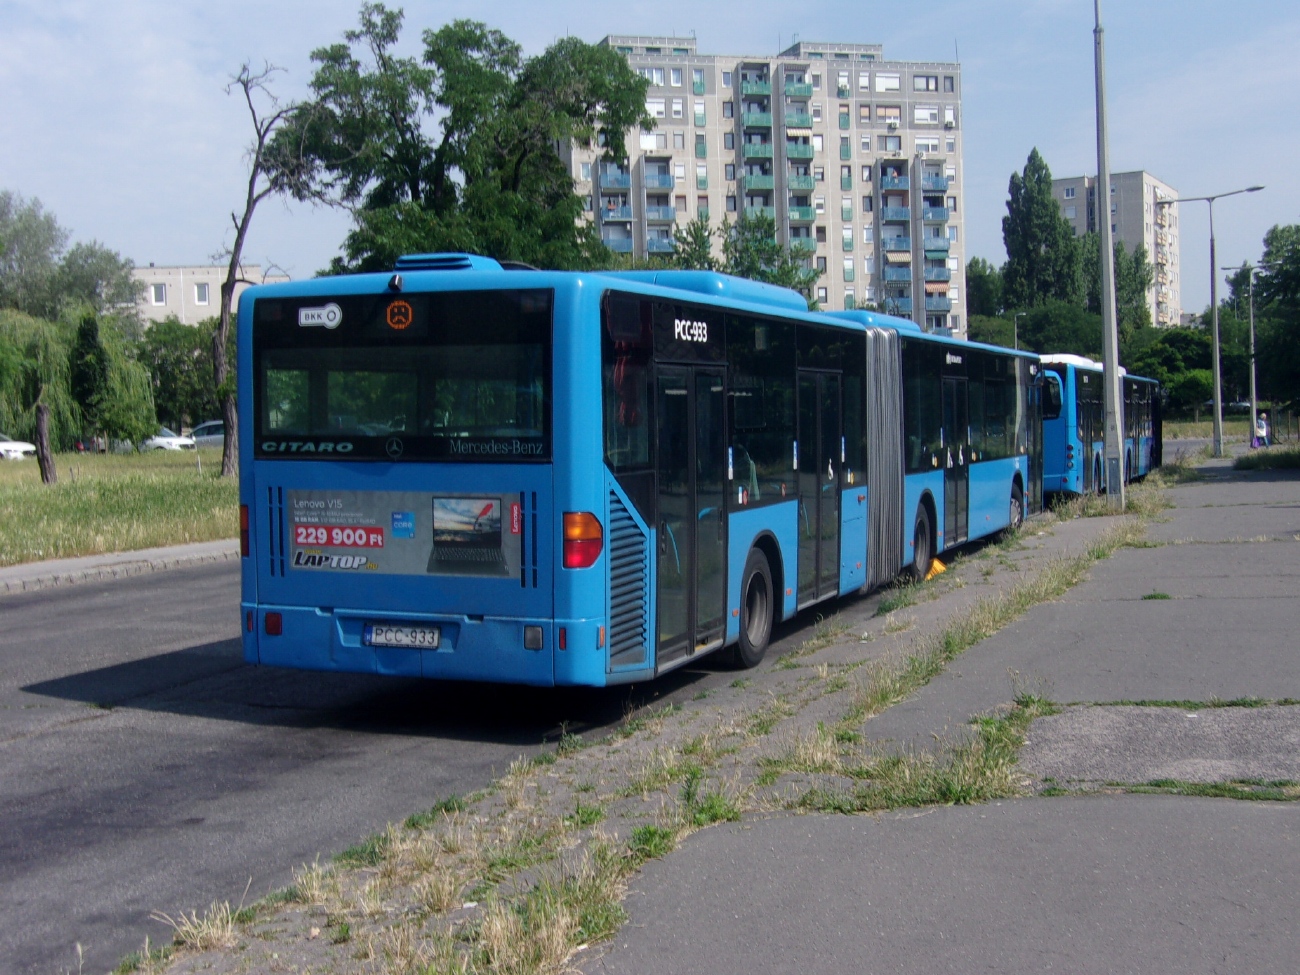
[460, 471]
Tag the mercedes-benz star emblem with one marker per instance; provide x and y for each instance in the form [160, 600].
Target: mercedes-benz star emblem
[394, 447]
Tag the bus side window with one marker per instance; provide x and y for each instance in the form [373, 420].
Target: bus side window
[1051, 396]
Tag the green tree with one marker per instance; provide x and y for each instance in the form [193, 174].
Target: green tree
[1277, 294]
[693, 246]
[179, 360]
[31, 241]
[456, 151]
[1060, 326]
[983, 288]
[1133, 277]
[96, 276]
[1190, 389]
[991, 330]
[1042, 252]
[34, 370]
[750, 250]
[88, 371]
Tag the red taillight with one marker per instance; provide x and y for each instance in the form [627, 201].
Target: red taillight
[564, 638]
[583, 539]
[274, 624]
[248, 621]
[243, 531]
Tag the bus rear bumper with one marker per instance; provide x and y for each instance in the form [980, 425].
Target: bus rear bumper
[470, 647]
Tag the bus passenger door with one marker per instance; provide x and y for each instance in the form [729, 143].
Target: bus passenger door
[692, 517]
[956, 475]
[821, 456]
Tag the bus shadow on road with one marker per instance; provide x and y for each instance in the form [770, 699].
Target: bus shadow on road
[212, 681]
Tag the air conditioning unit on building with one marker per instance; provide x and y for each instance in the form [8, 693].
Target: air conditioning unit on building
[891, 123]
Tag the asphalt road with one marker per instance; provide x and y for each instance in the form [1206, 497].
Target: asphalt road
[145, 767]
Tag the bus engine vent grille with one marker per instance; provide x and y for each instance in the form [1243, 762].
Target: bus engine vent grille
[275, 529]
[628, 594]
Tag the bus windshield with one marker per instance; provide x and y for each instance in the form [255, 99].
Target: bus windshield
[434, 376]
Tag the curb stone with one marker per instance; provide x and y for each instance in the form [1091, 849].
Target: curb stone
[60, 573]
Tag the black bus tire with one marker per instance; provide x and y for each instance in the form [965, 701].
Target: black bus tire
[1017, 507]
[757, 611]
[922, 546]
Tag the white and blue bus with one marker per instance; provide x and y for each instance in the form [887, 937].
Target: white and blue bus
[1074, 414]
[463, 471]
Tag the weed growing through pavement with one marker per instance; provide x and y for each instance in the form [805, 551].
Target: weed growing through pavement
[1157, 595]
[1270, 458]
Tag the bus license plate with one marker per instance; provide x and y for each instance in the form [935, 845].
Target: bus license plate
[410, 637]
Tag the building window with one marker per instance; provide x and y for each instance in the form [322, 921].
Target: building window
[869, 264]
[954, 293]
[699, 112]
[952, 234]
[729, 171]
[158, 293]
[817, 143]
[819, 204]
[950, 145]
[1069, 192]
[587, 203]
[821, 265]
[697, 77]
[864, 81]
[675, 77]
[821, 235]
[926, 115]
[584, 171]
[728, 140]
[731, 204]
[728, 109]
[819, 174]
[679, 204]
[656, 108]
[867, 205]
[201, 294]
[890, 143]
[679, 172]
[654, 75]
[886, 82]
[726, 79]
[952, 204]
[925, 82]
[949, 116]
[817, 112]
[889, 113]
[702, 204]
[821, 296]
[679, 107]
[927, 145]
[954, 264]
[679, 140]
[864, 114]
[817, 82]
[948, 83]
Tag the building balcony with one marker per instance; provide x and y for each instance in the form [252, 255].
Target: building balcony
[934, 214]
[936, 244]
[660, 214]
[616, 181]
[798, 89]
[849, 274]
[758, 150]
[903, 214]
[659, 245]
[802, 214]
[845, 122]
[798, 120]
[895, 183]
[891, 273]
[615, 213]
[938, 274]
[701, 150]
[846, 151]
[898, 306]
[619, 245]
[797, 150]
[846, 244]
[804, 246]
[699, 120]
[846, 213]
[756, 120]
[751, 183]
[756, 87]
[702, 182]
[752, 212]
[800, 182]
[846, 182]
[934, 184]
[697, 87]
[897, 244]
[938, 303]
[658, 181]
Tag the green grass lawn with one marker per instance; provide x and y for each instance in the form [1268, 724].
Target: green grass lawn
[114, 503]
[1237, 428]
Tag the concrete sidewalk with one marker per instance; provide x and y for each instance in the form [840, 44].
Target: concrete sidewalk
[1090, 882]
[113, 565]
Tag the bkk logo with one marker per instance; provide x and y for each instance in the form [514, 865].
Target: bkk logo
[316, 559]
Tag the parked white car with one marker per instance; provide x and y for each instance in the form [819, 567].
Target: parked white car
[11, 449]
[165, 439]
[210, 434]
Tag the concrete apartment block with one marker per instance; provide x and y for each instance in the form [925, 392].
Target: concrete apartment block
[1135, 219]
[856, 158]
[192, 293]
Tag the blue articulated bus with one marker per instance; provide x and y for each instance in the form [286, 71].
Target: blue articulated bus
[463, 471]
[1073, 419]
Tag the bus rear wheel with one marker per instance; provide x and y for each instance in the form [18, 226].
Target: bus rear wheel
[757, 609]
[1017, 507]
[922, 546]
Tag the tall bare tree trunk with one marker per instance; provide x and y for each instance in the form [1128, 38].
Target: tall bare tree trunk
[44, 457]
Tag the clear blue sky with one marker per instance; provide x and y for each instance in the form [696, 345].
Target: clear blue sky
[115, 114]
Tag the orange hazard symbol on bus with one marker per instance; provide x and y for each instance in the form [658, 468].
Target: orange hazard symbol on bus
[399, 314]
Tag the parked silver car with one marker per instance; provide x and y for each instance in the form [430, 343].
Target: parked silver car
[11, 449]
[210, 434]
[165, 439]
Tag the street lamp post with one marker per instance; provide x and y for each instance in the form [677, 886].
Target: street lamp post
[1214, 306]
[1015, 328]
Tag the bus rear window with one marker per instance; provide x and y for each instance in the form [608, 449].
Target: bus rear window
[1051, 396]
[460, 376]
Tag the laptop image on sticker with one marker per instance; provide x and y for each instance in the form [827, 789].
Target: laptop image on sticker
[467, 537]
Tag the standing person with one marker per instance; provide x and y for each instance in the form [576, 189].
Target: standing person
[1261, 430]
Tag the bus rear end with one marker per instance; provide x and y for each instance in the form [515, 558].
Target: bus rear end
[396, 476]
